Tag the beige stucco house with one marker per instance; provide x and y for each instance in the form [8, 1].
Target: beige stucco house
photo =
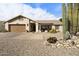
[23, 24]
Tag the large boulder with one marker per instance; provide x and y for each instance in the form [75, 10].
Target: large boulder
[52, 40]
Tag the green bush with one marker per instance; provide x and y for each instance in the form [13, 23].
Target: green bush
[53, 31]
[3, 30]
[2, 26]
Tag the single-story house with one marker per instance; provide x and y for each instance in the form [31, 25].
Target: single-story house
[23, 24]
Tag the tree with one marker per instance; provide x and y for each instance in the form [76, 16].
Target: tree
[60, 19]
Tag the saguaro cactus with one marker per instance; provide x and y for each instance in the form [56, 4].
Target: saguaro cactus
[70, 17]
[64, 19]
[75, 18]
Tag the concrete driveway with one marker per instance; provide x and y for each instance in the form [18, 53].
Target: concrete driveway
[31, 44]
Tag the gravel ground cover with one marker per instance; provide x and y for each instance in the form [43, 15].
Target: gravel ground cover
[32, 44]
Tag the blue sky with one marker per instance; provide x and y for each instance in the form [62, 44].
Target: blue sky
[53, 8]
[35, 11]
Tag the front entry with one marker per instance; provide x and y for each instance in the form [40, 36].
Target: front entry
[45, 27]
[32, 27]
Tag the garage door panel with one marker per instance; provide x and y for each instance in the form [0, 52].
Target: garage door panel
[17, 28]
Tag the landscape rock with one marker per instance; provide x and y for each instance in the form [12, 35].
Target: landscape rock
[59, 45]
[71, 43]
[54, 46]
[77, 45]
[52, 40]
[76, 41]
[66, 45]
[74, 37]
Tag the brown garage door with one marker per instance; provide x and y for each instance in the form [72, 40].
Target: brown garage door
[17, 27]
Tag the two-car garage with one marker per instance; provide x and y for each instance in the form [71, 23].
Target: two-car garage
[18, 24]
[17, 28]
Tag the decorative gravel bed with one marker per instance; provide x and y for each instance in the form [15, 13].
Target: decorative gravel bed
[23, 44]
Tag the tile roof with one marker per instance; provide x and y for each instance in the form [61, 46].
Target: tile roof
[55, 22]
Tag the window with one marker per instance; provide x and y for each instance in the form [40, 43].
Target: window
[45, 27]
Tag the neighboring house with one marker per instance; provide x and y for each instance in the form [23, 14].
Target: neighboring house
[23, 24]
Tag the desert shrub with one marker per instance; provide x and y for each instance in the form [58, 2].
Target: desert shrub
[52, 40]
[3, 30]
[67, 35]
[2, 26]
[53, 31]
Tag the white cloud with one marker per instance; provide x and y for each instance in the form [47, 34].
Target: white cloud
[59, 18]
[8, 11]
